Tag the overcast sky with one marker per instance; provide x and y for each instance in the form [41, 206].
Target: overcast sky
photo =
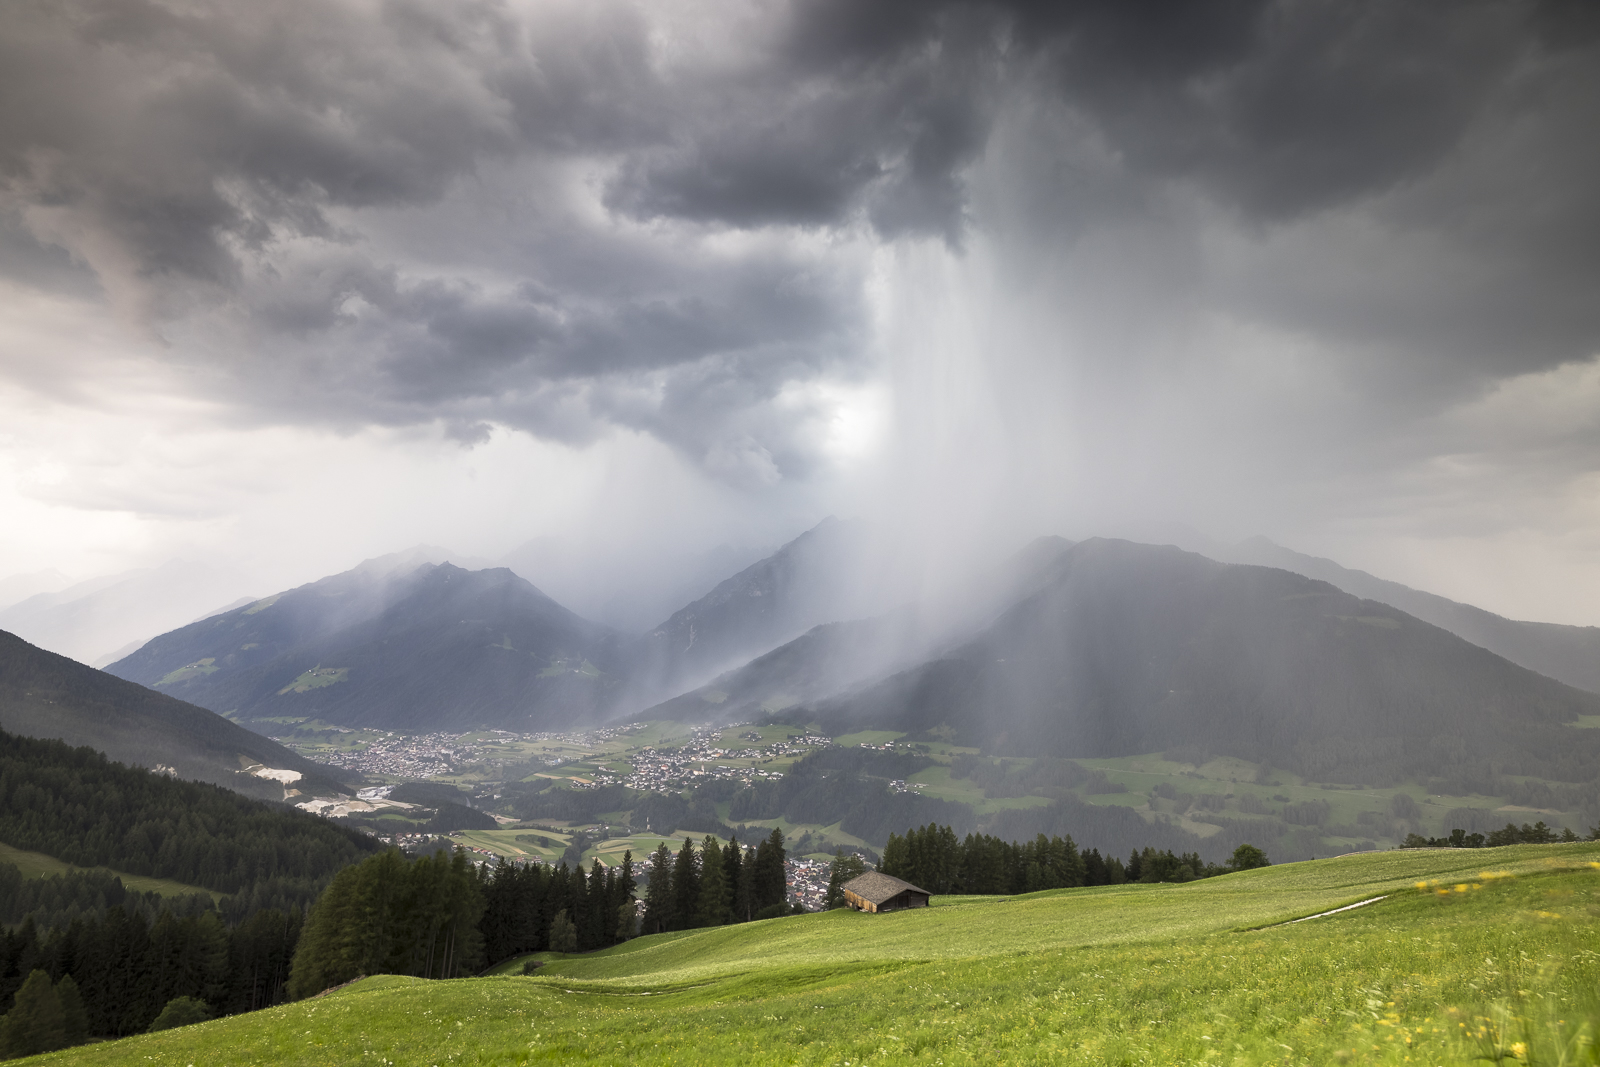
[284, 285]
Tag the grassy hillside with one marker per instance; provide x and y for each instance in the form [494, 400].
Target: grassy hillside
[1152, 974]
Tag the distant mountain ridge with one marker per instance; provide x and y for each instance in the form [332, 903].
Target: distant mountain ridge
[1569, 654]
[92, 619]
[44, 695]
[1136, 648]
[423, 648]
[837, 656]
[808, 582]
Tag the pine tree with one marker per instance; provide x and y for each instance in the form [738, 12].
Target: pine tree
[712, 909]
[732, 873]
[74, 1020]
[685, 887]
[658, 900]
[625, 882]
[769, 882]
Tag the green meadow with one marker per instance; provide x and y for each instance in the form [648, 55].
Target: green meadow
[1491, 953]
[38, 865]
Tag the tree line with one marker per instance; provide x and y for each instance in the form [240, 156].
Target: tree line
[59, 899]
[539, 908]
[932, 857]
[1510, 834]
[715, 885]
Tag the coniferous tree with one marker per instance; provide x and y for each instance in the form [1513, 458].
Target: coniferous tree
[74, 1021]
[685, 887]
[390, 916]
[769, 882]
[745, 894]
[732, 877]
[659, 913]
[713, 909]
[625, 880]
[598, 909]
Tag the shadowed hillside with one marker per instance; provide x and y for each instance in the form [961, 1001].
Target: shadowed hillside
[49, 696]
[1569, 654]
[1133, 648]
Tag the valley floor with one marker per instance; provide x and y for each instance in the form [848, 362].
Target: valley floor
[1502, 943]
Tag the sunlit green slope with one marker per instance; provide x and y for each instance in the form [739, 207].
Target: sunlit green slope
[1152, 974]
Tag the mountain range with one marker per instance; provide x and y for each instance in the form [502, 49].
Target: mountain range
[1133, 648]
[1092, 649]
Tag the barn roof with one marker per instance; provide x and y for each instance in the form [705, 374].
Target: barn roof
[877, 887]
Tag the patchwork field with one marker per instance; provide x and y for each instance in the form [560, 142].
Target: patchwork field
[1471, 953]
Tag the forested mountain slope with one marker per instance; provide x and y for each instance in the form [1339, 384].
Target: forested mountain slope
[78, 806]
[49, 696]
[433, 647]
[1569, 654]
[1134, 648]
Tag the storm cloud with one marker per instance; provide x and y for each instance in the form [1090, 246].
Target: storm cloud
[1207, 262]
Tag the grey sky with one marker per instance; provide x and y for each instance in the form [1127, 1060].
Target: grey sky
[286, 284]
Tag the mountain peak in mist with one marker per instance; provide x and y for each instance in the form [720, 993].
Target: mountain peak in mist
[424, 647]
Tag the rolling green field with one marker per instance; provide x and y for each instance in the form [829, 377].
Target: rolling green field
[38, 865]
[1470, 952]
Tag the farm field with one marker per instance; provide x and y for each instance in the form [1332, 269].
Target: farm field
[38, 865]
[1163, 974]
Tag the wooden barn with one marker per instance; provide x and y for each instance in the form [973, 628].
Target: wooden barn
[881, 892]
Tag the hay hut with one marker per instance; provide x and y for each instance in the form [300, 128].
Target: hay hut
[882, 892]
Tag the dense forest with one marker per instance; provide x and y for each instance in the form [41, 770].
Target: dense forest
[126, 967]
[121, 956]
[78, 806]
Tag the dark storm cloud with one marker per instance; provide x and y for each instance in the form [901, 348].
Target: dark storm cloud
[641, 223]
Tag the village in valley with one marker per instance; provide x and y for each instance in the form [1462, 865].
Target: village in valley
[663, 758]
